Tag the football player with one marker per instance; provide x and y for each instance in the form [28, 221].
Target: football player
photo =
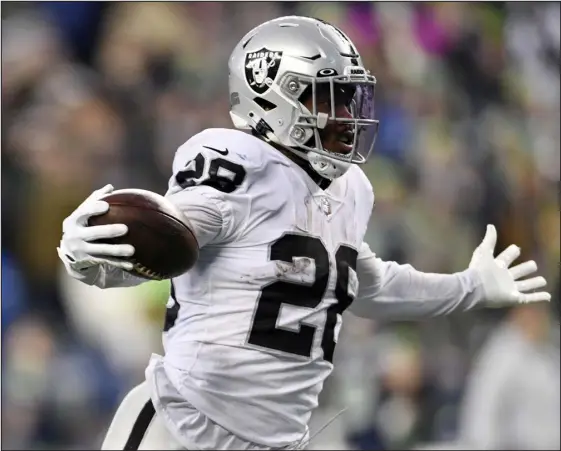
[279, 208]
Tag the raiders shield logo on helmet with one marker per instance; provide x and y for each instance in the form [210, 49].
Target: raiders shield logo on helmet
[261, 69]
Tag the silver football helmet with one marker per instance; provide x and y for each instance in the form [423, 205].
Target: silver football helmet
[278, 64]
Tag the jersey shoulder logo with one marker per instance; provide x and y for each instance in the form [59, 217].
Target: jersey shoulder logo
[261, 68]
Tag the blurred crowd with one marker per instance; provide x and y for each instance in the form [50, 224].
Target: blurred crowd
[468, 101]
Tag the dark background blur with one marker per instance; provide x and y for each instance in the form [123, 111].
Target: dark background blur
[468, 101]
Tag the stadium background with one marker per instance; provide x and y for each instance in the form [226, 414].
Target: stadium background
[468, 99]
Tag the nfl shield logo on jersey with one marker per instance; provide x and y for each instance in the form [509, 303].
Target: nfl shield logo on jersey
[261, 69]
[325, 206]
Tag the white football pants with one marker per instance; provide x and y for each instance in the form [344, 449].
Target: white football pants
[136, 425]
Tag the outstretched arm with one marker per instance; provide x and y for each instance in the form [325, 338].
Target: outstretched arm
[389, 291]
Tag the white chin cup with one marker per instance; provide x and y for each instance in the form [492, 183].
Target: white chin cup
[327, 167]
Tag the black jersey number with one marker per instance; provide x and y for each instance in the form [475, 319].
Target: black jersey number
[264, 331]
[222, 175]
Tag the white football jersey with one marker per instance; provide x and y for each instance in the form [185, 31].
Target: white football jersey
[251, 329]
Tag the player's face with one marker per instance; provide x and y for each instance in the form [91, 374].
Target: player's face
[335, 137]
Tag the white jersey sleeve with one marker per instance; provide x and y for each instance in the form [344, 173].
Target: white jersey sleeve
[207, 169]
[211, 173]
[390, 291]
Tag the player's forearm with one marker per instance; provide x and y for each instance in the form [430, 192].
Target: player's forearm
[414, 294]
[388, 290]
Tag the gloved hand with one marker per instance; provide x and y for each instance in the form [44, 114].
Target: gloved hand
[77, 247]
[501, 284]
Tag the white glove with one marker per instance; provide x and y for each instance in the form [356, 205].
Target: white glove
[502, 285]
[76, 247]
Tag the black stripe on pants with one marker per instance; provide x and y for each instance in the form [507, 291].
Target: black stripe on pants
[140, 426]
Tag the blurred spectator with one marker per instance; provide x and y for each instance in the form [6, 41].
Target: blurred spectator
[513, 394]
[14, 296]
[56, 392]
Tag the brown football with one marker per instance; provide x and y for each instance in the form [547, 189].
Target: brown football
[164, 245]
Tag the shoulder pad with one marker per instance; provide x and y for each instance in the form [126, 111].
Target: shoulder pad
[220, 158]
[232, 145]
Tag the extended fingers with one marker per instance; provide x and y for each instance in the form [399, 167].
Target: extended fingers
[489, 240]
[507, 256]
[523, 269]
[530, 284]
[542, 296]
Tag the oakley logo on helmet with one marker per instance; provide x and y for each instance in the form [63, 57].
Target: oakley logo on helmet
[326, 72]
[261, 69]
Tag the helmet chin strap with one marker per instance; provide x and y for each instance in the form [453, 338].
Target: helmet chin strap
[326, 167]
